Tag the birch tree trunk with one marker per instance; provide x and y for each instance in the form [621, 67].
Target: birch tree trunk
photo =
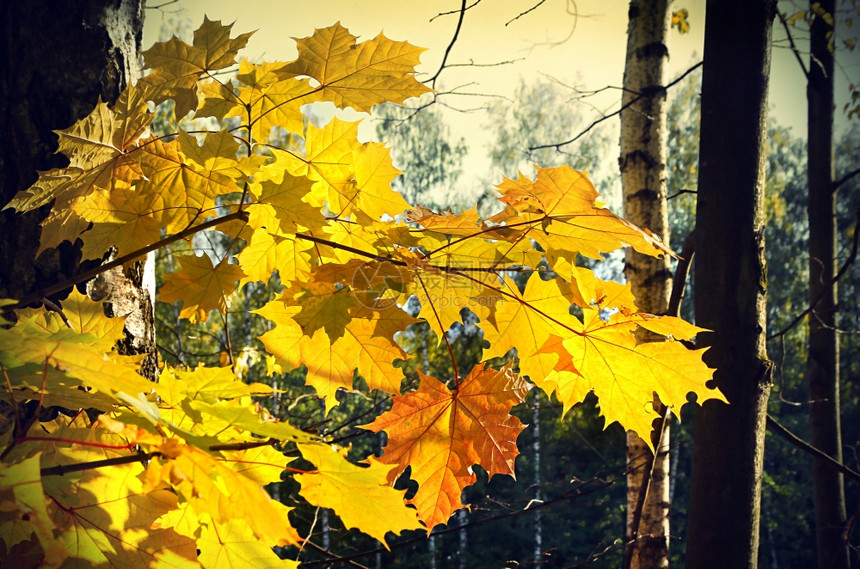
[60, 57]
[731, 285]
[643, 180]
[823, 362]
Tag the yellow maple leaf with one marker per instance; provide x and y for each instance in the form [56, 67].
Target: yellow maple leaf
[322, 305]
[211, 487]
[101, 150]
[22, 498]
[286, 198]
[84, 357]
[466, 223]
[177, 66]
[267, 253]
[327, 161]
[373, 175]
[232, 545]
[267, 99]
[441, 433]
[121, 217]
[558, 210]
[84, 316]
[209, 384]
[358, 75]
[201, 286]
[186, 189]
[625, 374]
[218, 153]
[104, 516]
[360, 495]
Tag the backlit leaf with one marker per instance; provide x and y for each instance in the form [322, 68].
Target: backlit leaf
[360, 495]
[441, 433]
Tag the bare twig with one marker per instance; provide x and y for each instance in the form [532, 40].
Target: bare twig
[432, 80]
[532, 9]
[452, 12]
[825, 291]
[838, 183]
[682, 272]
[596, 122]
[681, 192]
[332, 557]
[162, 5]
[808, 448]
[792, 45]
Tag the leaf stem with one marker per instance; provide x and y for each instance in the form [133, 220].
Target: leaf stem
[444, 336]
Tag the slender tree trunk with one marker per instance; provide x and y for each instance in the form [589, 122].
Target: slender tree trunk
[823, 363]
[731, 284]
[643, 179]
[538, 520]
[59, 58]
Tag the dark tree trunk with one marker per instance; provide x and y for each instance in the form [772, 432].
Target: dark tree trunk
[731, 284]
[823, 363]
[643, 178]
[58, 59]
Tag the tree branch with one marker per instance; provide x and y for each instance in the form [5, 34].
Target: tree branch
[532, 9]
[87, 275]
[558, 145]
[808, 448]
[63, 469]
[842, 270]
[793, 46]
[838, 183]
[432, 80]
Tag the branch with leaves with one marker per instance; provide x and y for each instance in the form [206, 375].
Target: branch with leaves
[172, 473]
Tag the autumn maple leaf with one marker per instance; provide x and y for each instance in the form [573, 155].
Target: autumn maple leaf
[441, 434]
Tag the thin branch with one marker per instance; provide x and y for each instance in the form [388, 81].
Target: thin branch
[432, 80]
[331, 556]
[63, 469]
[679, 287]
[497, 64]
[452, 12]
[162, 5]
[644, 489]
[808, 448]
[825, 291]
[52, 306]
[532, 9]
[838, 183]
[558, 145]
[682, 272]
[569, 495]
[118, 262]
[792, 45]
[681, 192]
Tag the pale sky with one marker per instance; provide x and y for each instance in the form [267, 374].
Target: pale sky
[589, 56]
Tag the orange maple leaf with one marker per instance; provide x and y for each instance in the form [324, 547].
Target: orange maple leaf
[441, 434]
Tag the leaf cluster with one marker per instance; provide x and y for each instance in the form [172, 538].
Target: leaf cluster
[172, 473]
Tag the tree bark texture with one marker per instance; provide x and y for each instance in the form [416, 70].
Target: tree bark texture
[59, 58]
[643, 178]
[730, 286]
[823, 363]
